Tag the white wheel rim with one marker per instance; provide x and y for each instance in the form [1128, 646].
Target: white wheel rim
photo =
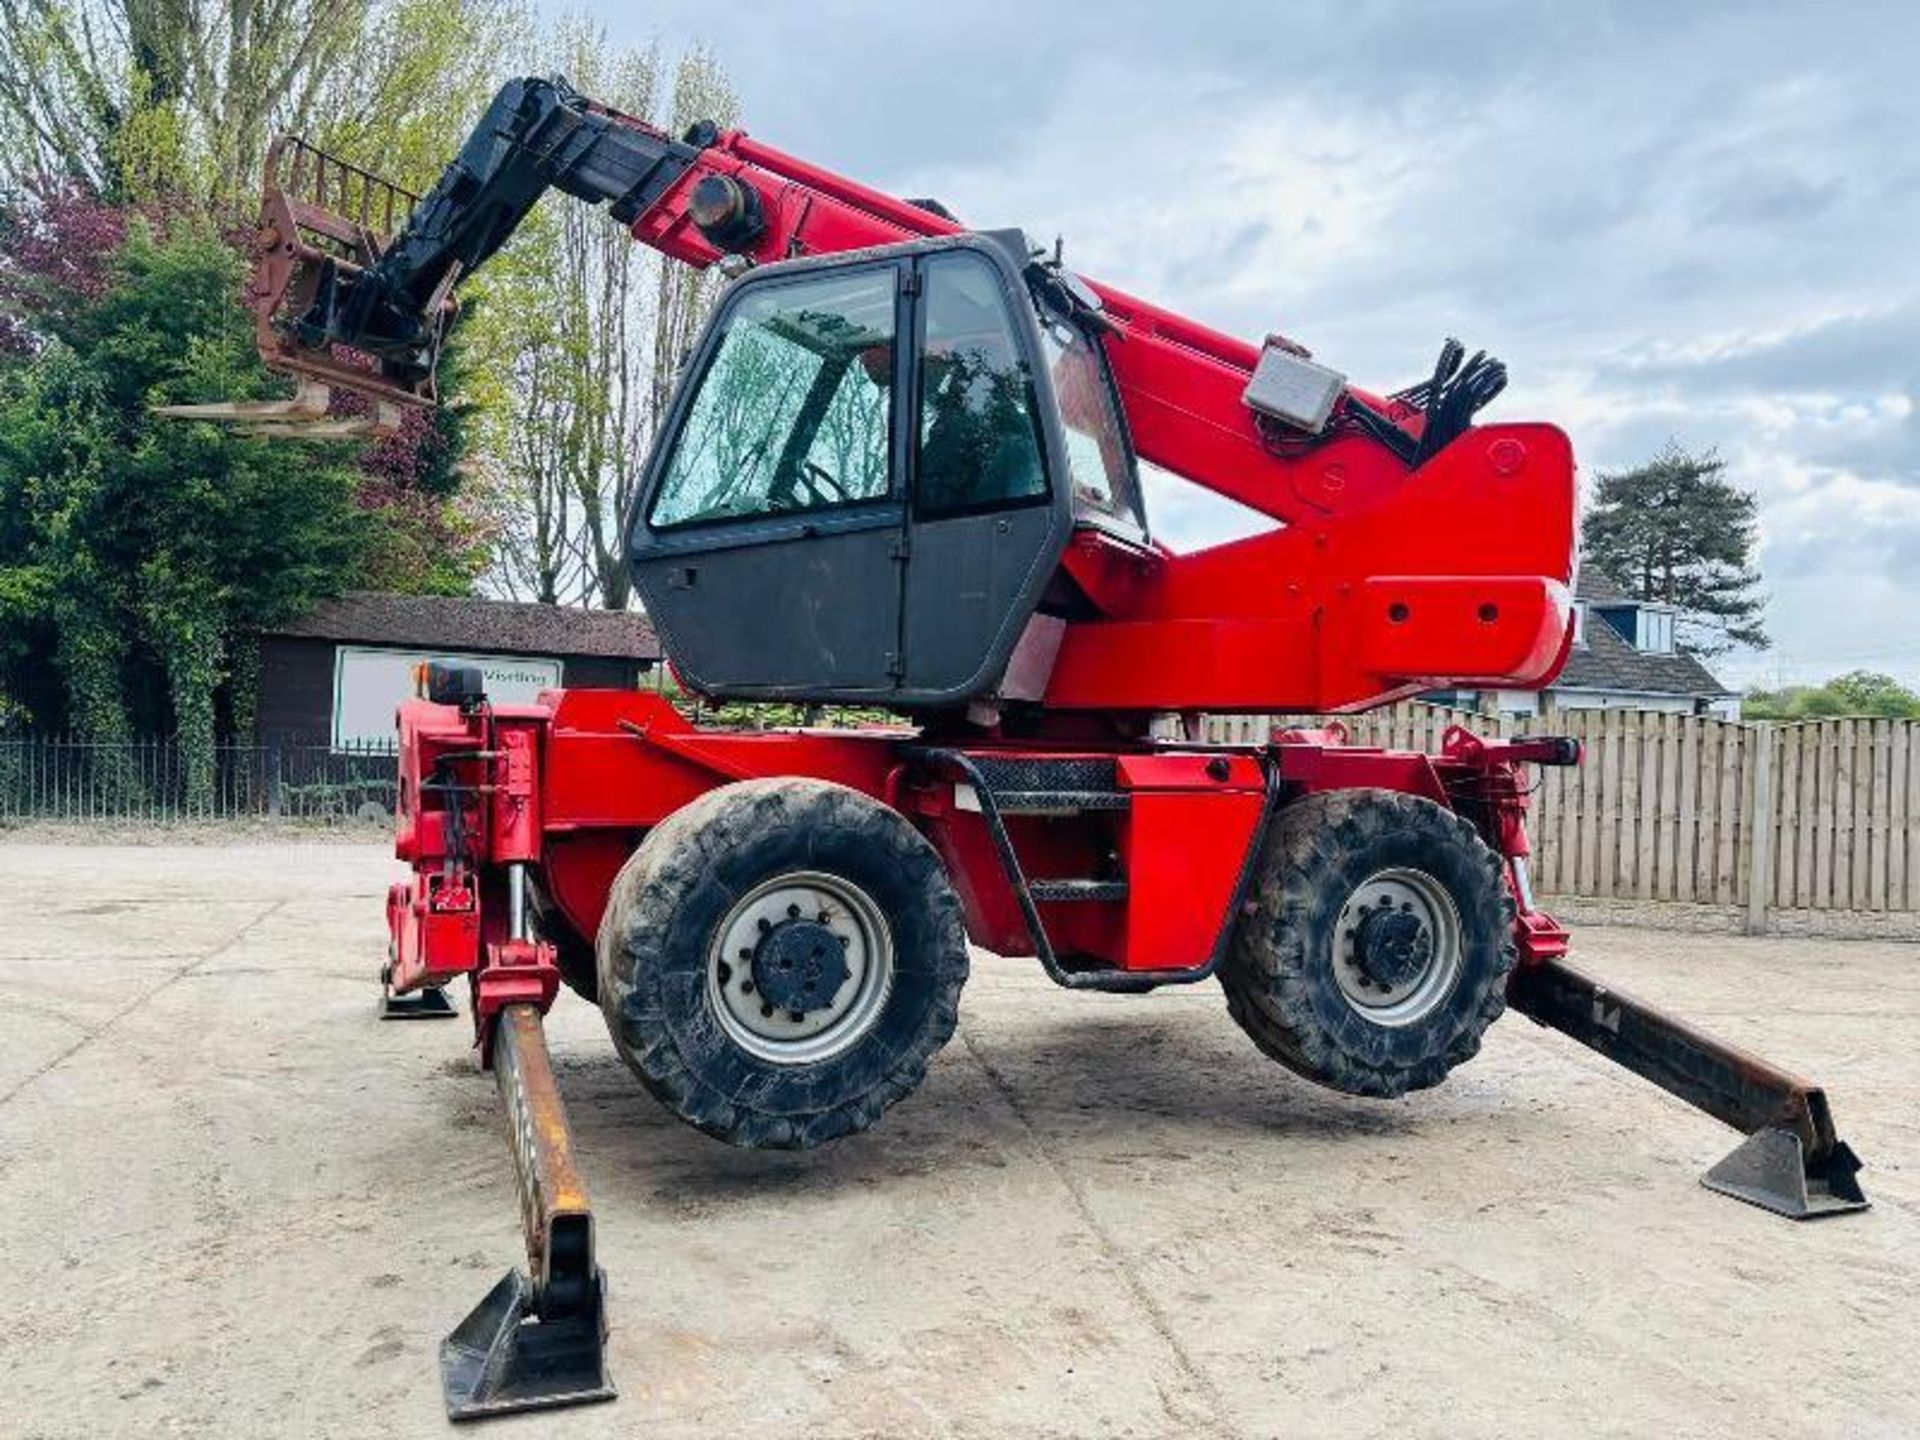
[830, 1023]
[1409, 998]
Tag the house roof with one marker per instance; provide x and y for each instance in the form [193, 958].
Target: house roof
[443, 622]
[1593, 584]
[1607, 662]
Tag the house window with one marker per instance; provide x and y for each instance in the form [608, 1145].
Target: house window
[1656, 631]
[1623, 620]
[1580, 625]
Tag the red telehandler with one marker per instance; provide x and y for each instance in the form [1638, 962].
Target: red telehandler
[901, 472]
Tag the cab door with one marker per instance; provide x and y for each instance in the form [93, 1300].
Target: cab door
[768, 546]
[989, 514]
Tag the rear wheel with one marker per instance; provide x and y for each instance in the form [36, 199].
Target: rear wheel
[1377, 950]
[779, 960]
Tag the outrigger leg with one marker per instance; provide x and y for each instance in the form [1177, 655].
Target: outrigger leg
[1791, 1163]
[538, 1340]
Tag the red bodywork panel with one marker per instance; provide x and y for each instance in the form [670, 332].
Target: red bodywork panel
[434, 921]
[1179, 846]
[1182, 855]
[1460, 577]
[569, 787]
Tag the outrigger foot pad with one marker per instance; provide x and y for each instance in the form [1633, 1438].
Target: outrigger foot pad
[503, 1358]
[428, 1004]
[1771, 1169]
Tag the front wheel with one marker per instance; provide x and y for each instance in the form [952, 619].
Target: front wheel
[779, 960]
[1378, 946]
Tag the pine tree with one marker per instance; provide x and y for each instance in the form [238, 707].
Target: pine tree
[1677, 531]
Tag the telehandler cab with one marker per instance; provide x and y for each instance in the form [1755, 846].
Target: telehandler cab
[902, 471]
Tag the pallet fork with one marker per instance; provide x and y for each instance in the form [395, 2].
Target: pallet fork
[1792, 1161]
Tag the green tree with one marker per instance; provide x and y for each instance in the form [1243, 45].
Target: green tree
[138, 98]
[1861, 692]
[1676, 530]
[587, 328]
[142, 547]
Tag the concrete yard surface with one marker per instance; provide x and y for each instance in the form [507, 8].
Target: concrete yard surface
[232, 1204]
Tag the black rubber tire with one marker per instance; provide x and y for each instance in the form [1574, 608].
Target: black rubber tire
[679, 886]
[1279, 976]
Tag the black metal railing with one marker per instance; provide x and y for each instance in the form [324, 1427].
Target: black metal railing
[157, 779]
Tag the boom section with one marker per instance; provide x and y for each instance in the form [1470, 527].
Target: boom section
[714, 196]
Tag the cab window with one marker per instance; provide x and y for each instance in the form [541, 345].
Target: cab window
[1097, 456]
[978, 432]
[795, 408]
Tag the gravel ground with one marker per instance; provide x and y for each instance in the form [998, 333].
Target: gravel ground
[232, 1204]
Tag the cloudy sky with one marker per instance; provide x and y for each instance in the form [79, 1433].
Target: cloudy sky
[1676, 220]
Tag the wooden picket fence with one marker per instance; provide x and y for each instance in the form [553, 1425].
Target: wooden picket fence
[1665, 806]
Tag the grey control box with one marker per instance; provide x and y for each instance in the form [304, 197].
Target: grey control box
[1291, 388]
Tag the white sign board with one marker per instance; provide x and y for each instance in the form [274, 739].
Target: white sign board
[368, 686]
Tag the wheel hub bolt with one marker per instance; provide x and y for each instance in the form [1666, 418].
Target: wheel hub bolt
[1391, 946]
[799, 965]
